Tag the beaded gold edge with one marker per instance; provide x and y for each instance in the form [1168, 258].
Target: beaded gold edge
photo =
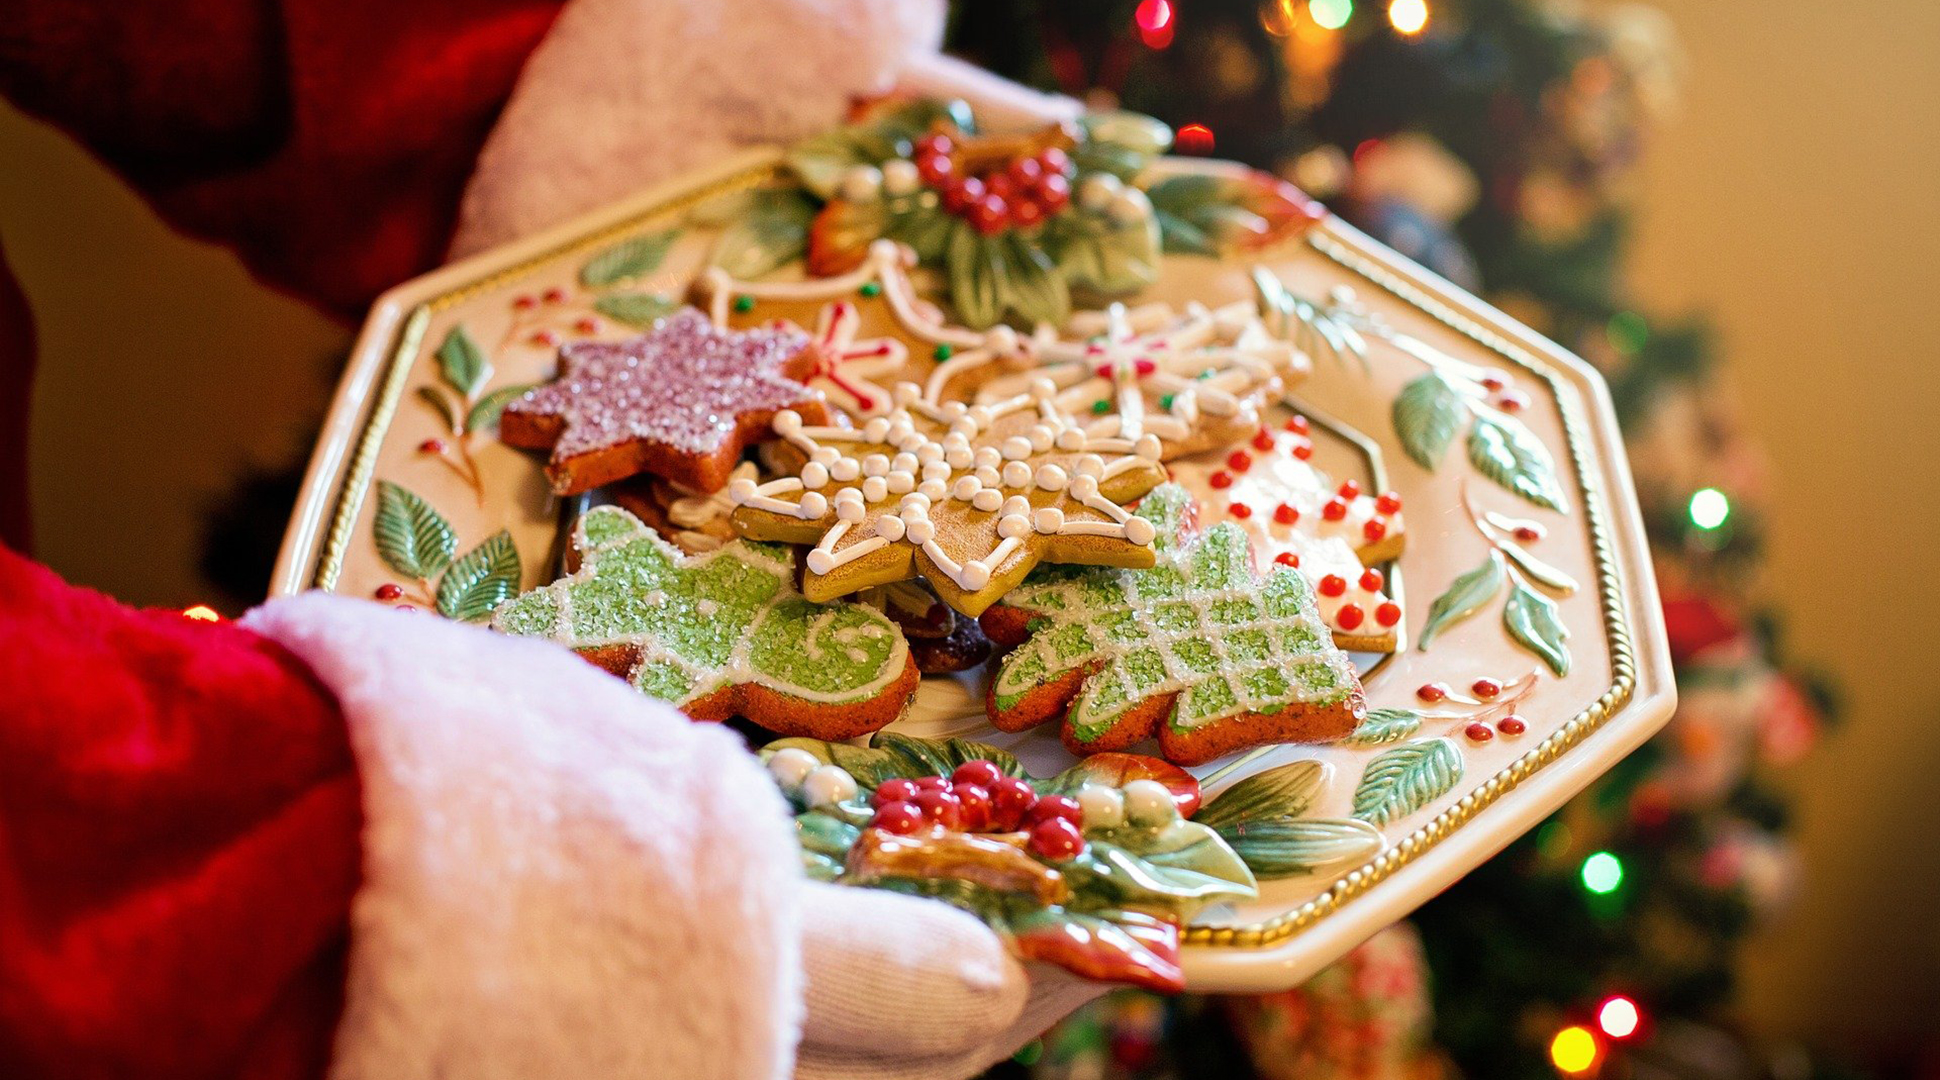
[410, 339]
[1623, 667]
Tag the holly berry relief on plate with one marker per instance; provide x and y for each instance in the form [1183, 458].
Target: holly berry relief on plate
[1116, 546]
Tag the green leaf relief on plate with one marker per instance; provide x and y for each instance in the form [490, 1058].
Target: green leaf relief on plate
[462, 362]
[1400, 781]
[627, 259]
[480, 579]
[1426, 414]
[1384, 726]
[1533, 621]
[484, 416]
[772, 231]
[1507, 452]
[1465, 596]
[412, 537]
[1281, 848]
[638, 310]
[1283, 791]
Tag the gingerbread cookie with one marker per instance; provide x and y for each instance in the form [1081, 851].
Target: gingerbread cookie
[721, 634]
[1201, 650]
[695, 521]
[941, 640]
[680, 401]
[1196, 380]
[968, 497]
[1334, 533]
[871, 329]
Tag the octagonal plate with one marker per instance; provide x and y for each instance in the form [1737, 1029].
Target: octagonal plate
[1616, 691]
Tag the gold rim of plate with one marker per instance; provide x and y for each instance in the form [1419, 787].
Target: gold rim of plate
[1324, 240]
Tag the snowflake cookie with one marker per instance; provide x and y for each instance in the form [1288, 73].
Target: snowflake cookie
[1201, 651]
[720, 634]
[1194, 379]
[681, 401]
[871, 329]
[970, 497]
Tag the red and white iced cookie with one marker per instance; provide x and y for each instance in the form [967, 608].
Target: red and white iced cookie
[1335, 533]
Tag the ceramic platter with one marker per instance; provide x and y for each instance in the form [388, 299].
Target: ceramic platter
[1545, 545]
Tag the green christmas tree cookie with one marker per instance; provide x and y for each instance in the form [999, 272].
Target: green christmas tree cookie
[719, 634]
[1201, 651]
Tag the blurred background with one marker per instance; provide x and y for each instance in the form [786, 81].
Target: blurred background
[1729, 207]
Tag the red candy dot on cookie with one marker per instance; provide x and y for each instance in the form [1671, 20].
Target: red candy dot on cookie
[1298, 425]
[1303, 450]
[1511, 725]
[1239, 461]
[390, 590]
[1056, 839]
[1486, 688]
[1350, 490]
[1529, 533]
[1388, 614]
[1288, 558]
[1479, 732]
[1372, 581]
[897, 790]
[1220, 479]
[1388, 503]
[1349, 616]
[1240, 510]
[1512, 401]
[1144, 367]
[1333, 585]
[1263, 440]
[1494, 382]
[1335, 510]
[977, 771]
[1285, 515]
[1433, 691]
[1374, 530]
[900, 818]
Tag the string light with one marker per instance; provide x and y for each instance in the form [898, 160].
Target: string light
[201, 613]
[1154, 21]
[1573, 1051]
[1330, 14]
[1194, 139]
[1710, 509]
[1602, 873]
[1618, 1017]
[1408, 16]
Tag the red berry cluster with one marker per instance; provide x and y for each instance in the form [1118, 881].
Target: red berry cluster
[1018, 194]
[979, 798]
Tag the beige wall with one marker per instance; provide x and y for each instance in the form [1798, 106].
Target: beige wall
[1799, 201]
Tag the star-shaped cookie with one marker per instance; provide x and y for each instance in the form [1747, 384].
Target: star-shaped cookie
[970, 497]
[1202, 651]
[681, 401]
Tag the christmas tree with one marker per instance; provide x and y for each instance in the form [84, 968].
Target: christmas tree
[1494, 141]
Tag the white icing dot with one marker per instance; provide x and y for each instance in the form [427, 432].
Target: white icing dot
[905, 461]
[875, 465]
[989, 456]
[935, 489]
[904, 393]
[1042, 388]
[954, 409]
[936, 470]
[1084, 486]
[787, 422]
[966, 488]
[1017, 504]
[1016, 448]
[920, 531]
[814, 475]
[1051, 478]
[988, 500]
[1040, 436]
[974, 575]
[1011, 525]
[845, 469]
[1071, 439]
[929, 452]
[978, 415]
[876, 429]
[875, 489]
[850, 511]
[740, 490]
[825, 455]
[1048, 520]
[813, 505]
[889, 527]
[959, 457]
[1139, 531]
[900, 480]
[1147, 447]
[1090, 465]
[820, 561]
[963, 427]
[1017, 474]
[915, 500]
[988, 476]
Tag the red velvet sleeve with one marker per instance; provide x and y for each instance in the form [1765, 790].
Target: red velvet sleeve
[327, 141]
[179, 843]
